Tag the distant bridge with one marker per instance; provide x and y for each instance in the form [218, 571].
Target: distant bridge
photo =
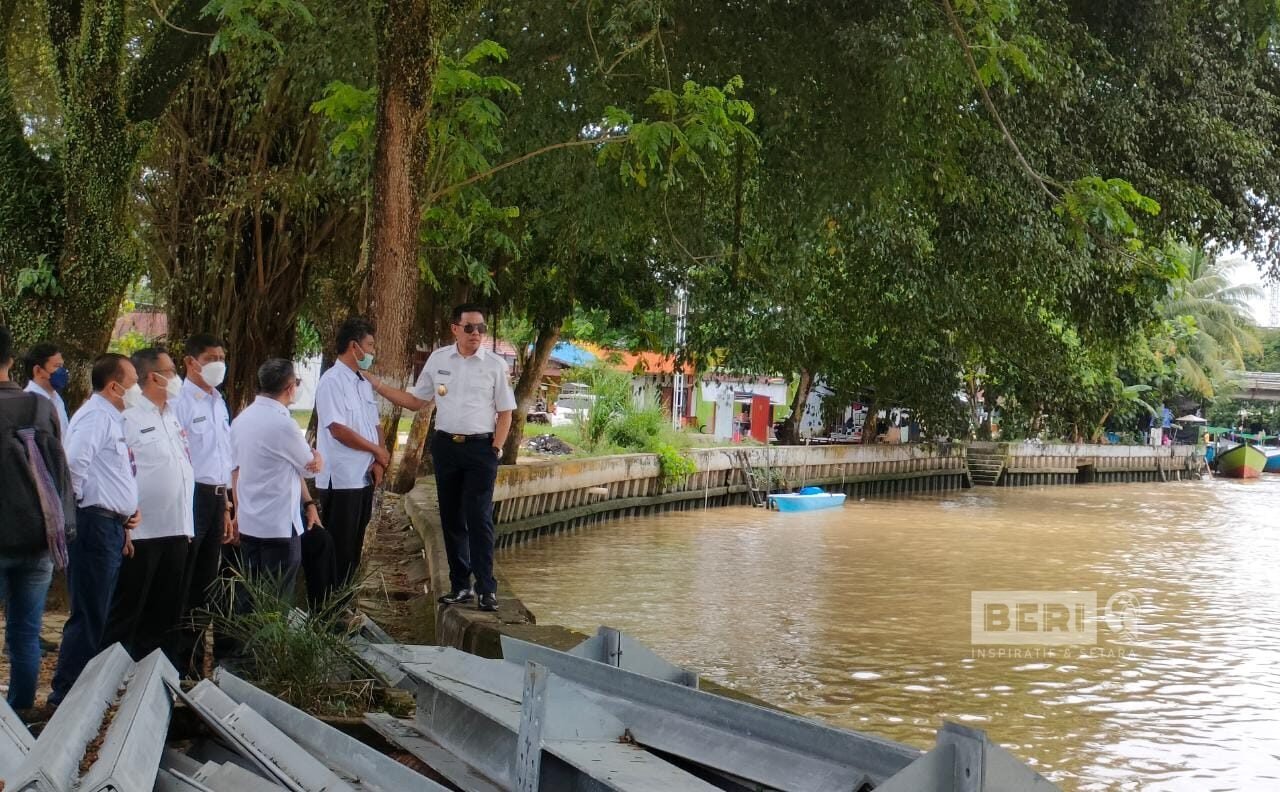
[1260, 386]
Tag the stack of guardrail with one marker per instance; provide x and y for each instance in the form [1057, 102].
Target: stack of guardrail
[607, 715]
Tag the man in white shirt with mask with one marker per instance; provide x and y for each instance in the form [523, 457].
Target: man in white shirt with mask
[349, 436]
[47, 377]
[204, 416]
[271, 459]
[103, 477]
[147, 605]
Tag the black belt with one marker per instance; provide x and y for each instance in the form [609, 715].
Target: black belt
[212, 489]
[465, 438]
[101, 512]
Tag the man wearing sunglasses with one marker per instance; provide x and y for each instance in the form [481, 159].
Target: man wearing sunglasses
[471, 388]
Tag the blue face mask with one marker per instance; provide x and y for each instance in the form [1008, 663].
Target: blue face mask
[60, 379]
[366, 361]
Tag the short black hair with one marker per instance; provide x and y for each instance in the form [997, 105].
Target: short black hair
[197, 343]
[356, 328]
[465, 308]
[147, 360]
[107, 369]
[6, 345]
[275, 376]
[38, 355]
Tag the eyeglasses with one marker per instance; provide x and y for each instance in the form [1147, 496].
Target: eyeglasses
[469, 328]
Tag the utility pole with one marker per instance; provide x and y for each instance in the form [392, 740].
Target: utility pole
[678, 406]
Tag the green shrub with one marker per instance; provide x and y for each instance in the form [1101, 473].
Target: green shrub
[636, 427]
[675, 466]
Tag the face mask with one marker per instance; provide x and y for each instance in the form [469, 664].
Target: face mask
[173, 386]
[213, 373]
[60, 379]
[365, 362]
[133, 396]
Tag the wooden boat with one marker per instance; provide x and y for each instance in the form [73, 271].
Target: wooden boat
[1273, 460]
[1242, 461]
[807, 499]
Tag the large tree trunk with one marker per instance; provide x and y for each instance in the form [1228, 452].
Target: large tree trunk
[527, 389]
[789, 433]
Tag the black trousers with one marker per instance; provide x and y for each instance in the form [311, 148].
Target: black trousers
[345, 513]
[465, 473]
[278, 559]
[203, 559]
[146, 610]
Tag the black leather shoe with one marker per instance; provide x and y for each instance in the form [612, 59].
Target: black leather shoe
[488, 602]
[455, 597]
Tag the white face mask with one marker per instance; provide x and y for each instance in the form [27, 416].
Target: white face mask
[173, 386]
[133, 396]
[213, 373]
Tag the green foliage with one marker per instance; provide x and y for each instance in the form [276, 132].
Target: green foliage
[305, 659]
[129, 343]
[674, 464]
[698, 123]
[248, 23]
[39, 280]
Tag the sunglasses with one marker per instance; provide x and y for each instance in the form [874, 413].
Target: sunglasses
[480, 328]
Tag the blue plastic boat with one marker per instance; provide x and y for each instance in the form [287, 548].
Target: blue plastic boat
[807, 499]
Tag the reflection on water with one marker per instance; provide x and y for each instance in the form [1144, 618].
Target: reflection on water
[860, 616]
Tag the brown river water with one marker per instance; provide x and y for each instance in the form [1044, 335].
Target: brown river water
[861, 617]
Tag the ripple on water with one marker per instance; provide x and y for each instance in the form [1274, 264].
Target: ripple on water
[861, 617]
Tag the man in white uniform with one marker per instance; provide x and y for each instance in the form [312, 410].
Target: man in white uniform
[47, 377]
[349, 437]
[103, 477]
[471, 388]
[147, 608]
[271, 458]
[203, 414]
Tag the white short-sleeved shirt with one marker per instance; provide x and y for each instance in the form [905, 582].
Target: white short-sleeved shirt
[270, 451]
[476, 389]
[102, 471]
[207, 423]
[59, 406]
[344, 396]
[166, 482]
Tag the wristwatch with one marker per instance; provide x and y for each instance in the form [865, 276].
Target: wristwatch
[497, 450]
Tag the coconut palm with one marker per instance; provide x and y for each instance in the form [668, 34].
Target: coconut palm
[1211, 321]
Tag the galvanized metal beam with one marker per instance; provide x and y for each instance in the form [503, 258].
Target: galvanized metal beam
[15, 740]
[763, 746]
[341, 753]
[130, 754]
[558, 723]
[529, 730]
[615, 648]
[965, 760]
[406, 735]
[285, 761]
[53, 763]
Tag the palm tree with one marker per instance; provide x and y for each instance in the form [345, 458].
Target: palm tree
[1213, 317]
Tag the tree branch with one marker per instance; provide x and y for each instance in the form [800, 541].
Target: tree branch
[1042, 181]
[167, 59]
[604, 140]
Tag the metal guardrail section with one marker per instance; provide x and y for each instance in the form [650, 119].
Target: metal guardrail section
[965, 760]
[15, 740]
[369, 769]
[405, 735]
[284, 760]
[128, 755]
[523, 729]
[742, 740]
[615, 648]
